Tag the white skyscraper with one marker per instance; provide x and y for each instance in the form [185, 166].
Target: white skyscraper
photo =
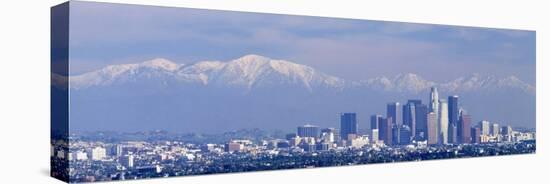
[485, 127]
[495, 130]
[443, 122]
[434, 101]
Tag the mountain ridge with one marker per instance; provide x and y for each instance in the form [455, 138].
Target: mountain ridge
[252, 71]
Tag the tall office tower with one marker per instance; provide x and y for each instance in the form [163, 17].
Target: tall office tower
[374, 123]
[453, 118]
[308, 131]
[395, 131]
[337, 136]
[409, 114]
[452, 134]
[463, 128]
[385, 130]
[421, 115]
[432, 128]
[495, 130]
[453, 109]
[348, 125]
[393, 110]
[434, 101]
[405, 135]
[506, 132]
[476, 135]
[443, 122]
[375, 135]
[484, 127]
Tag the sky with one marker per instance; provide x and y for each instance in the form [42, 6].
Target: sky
[104, 34]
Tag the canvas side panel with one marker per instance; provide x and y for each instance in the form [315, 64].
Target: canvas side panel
[59, 95]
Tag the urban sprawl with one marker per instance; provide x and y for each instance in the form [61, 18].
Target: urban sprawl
[410, 132]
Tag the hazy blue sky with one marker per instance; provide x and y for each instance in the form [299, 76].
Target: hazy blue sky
[103, 34]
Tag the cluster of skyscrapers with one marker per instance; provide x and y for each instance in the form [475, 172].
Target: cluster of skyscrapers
[441, 121]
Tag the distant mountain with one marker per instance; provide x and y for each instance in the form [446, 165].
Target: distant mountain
[258, 92]
[401, 83]
[247, 72]
[253, 71]
[477, 82]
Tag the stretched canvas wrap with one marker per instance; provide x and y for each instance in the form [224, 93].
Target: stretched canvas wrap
[145, 92]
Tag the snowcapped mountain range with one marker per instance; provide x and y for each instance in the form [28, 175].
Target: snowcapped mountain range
[255, 91]
[254, 71]
[248, 71]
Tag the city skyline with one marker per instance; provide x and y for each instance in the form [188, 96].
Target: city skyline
[396, 114]
[196, 64]
[148, 92]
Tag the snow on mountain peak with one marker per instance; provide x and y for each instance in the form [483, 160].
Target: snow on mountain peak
[247, 71]
[161, 63]
[252, 71]
[410, 82]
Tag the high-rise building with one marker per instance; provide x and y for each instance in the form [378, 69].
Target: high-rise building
[443, 122]
[396, 130]
[409, 114]
[374, 123]
[432, 128]
[463, 128]
[401, 134]
[453, 109]
[495, 130]
[421, 116]
[385, 130]
[393, 110]
[453, 113]
[375, 135]
[405, 135]
[308, 131]
[348, 124]
[476, 135]
[434, 101]
[452, 134]
[484, 127]
[506, 132]
[337, 136]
